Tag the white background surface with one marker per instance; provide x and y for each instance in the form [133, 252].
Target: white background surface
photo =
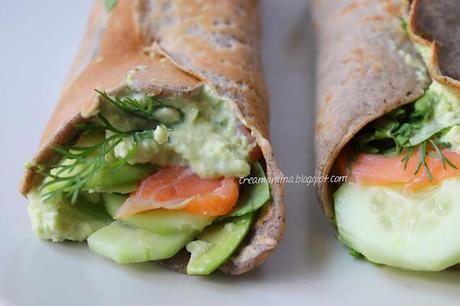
[38, 40]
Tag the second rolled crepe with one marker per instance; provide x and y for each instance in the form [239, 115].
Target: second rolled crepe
[388, 112]
[164, 115]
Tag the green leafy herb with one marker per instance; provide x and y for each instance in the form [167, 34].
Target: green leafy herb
[145, 108]
[355, 253]
[110, 4]
[438, 146]
[422, 161]
[408, 153]
[393, 132]
[84, 162]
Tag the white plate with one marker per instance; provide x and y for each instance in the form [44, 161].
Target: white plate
[38, 40]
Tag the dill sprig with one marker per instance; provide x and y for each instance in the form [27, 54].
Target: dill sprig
[407, 155]
[422, 162]
[438, 146]
[84, 162]
[145, 109]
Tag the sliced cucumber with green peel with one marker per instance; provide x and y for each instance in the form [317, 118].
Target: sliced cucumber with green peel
[126, 244]
[216, 244]
[160, 221]
[254, 193]
[415, 231]
[123, 179]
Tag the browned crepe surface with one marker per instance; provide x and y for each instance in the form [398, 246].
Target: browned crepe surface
[180, 46]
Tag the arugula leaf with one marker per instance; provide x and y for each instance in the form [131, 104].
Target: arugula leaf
[404, 127]
[110, 4]
[252, 196]
[355, 253]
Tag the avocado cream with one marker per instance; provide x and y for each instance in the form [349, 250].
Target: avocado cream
[206, 138]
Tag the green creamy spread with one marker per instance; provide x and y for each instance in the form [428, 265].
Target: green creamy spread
[58, 220]
[207, 138]
[445, 112]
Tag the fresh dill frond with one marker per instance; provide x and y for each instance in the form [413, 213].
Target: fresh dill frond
[407, 156]
[438, 146]
[422, 162]
[82, 162]
[145, 109]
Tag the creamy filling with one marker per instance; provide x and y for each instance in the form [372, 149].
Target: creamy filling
[199, 131]
[207, 138]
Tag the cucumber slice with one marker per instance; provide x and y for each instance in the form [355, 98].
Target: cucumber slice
[216, 244]
[159, 221]
[125, 244]
[253, 194]
[415, 231]
[125, 179]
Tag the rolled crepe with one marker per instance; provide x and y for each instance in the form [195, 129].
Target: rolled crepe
[171, 48]
[368, 66]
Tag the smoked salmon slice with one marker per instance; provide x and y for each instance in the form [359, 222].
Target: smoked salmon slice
[376, 169]
[180, 188]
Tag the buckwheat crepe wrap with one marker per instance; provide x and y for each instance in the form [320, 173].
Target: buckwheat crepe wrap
[373, 58]
[167, 48]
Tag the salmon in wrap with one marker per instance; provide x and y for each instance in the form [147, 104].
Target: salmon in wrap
[158, 149]
[388, 120]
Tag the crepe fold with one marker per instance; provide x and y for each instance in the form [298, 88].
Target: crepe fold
[366, 67]
[173, 48]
